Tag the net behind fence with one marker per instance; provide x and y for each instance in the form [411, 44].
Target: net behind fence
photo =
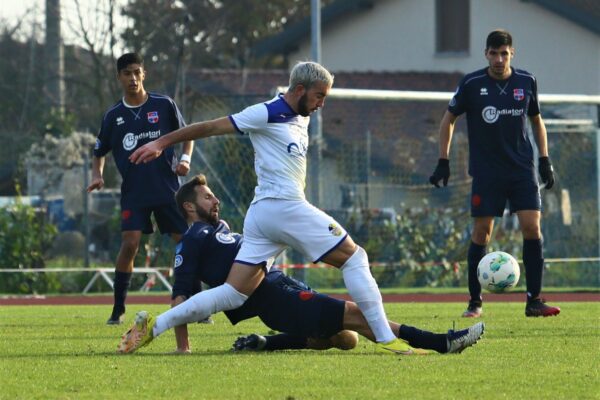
[377, 155]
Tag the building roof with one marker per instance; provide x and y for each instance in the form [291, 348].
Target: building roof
[585, 13]
[287, 41]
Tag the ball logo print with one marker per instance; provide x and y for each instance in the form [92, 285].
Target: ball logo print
[225, 238]
[498, 271]
[490, 114]
[129, 141]
[178, 260]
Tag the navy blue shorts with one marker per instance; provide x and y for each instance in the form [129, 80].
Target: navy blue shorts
[167, 217]
[287, 305]
[489, 196]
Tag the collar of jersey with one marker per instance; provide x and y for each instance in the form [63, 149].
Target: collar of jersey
[130, 106]
[286, 103]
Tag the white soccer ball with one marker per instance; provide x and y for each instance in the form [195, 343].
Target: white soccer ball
[498, 271]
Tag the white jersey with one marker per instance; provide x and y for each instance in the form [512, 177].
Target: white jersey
[280, 140]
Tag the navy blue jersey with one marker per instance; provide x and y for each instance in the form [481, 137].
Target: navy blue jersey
[497, 114]
[123, 130]
[206, 253]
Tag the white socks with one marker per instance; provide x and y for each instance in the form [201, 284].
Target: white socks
[364, 291]
[200, 306]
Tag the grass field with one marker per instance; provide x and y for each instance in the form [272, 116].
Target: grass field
[66, 352]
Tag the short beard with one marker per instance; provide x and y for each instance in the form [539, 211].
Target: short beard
[207, 216]
[302, 109]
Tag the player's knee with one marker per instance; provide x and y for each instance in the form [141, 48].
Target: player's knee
[531, 232]
[345, 340]
[230, 298]
[357, 260]
[481, 237]
[129, 247]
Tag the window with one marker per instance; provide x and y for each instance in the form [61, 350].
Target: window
[452, 22]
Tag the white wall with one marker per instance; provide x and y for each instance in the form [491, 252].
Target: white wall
[399, 35]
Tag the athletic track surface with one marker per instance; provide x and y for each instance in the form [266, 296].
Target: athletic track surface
[388, 298]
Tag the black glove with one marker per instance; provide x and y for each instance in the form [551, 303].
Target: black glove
[442, 171]
[546, 172]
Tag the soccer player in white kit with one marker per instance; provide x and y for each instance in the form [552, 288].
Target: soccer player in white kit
[279, 215]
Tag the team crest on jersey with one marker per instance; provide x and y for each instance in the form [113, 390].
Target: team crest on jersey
[153, 117]
[335, 230]
[225, 237]
[178, 260]
[518, 94]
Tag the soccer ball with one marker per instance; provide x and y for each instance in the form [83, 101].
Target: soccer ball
[498, 271]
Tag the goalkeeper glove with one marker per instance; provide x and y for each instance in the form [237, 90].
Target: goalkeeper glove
[442, 171]
[546, 172]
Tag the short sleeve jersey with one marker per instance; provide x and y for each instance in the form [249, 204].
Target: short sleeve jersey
[280, 140]
[124, 129]
[497, 114]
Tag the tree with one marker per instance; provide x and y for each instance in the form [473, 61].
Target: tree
[175, 34]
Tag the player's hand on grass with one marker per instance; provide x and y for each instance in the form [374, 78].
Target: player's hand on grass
[546, 172]
[441, 173]
[97, 184]
[148, 152]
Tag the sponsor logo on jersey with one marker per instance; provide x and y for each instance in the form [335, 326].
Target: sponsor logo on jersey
[490, 114]
[178, 260]
[518, 94]
[130, 140]
[225, 237]
[335, 230]
[153, 117]
[483, 92]
[120, 121]
[297, 150]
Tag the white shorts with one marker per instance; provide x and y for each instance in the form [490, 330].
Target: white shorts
[271, 225]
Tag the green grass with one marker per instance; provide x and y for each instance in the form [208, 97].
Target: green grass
[66, 352]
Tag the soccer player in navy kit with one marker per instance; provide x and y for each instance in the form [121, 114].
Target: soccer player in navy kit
[498, 100]
[309, 319]
[138, 118]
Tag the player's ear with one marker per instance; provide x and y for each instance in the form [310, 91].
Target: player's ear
[299, 90]
[189, 206]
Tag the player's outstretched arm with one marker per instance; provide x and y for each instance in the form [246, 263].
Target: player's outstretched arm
[151, 151]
